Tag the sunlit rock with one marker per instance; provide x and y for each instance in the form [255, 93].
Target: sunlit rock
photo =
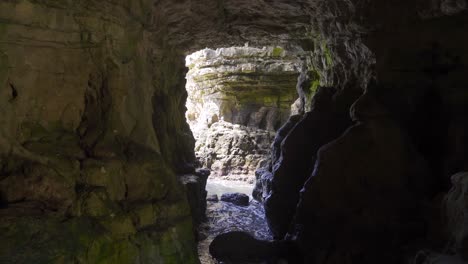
[237, 98]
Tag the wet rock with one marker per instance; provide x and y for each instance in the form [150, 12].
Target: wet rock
[240, 199]
[203, 172]
[212, 198]
[240, 246]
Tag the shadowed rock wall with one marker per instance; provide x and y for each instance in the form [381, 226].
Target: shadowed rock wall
[87, 165]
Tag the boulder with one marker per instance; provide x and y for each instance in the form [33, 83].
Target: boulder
[212, 198]
[241, 247]
[235, 198]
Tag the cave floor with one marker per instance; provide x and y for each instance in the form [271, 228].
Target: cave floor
[223, 217]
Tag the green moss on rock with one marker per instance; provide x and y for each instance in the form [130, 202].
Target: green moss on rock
[277, 52]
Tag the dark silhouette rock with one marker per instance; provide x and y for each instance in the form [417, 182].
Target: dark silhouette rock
[212, 198]
[240, 246]
[363, 210]
[263, 176]
[327, 120]
[236, 198]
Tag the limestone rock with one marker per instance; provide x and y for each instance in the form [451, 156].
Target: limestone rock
[236, 97]
[87, 169]
[233, 151]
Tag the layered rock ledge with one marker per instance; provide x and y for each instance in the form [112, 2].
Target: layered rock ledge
[237, 98]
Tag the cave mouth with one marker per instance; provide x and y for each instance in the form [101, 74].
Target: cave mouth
[237, 98]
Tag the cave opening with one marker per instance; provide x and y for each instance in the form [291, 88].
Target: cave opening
[238, 97]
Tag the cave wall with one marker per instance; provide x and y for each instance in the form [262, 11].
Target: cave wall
[92, 135]
[93, 131]
[413, 112]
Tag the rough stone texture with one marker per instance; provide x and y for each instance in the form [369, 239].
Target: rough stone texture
[87, 166]
[234, 151]
[237, 97]
[358, 211]
[457, 215]
[196, 194]
[327, 120]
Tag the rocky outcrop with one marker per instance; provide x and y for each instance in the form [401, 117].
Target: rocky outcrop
[327, 120]
[195, 185]
[371, 199]
[237, 98]
[87, 165]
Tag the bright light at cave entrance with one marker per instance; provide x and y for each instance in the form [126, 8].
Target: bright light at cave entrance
[237, 98]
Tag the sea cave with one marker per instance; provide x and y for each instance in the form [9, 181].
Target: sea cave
[234, 131]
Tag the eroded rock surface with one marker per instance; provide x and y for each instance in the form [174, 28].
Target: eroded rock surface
[371, 199]
[87, 168]
[237, 98]
[294, 163]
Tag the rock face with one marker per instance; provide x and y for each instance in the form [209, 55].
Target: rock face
[457, 215]
[237, 98]
[196, 194]
[294, 163]
[377, 208]
[233, 151]
[93, 134]
[87, 167]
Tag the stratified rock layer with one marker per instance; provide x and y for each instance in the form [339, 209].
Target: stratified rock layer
[87, 168]
[237, 98]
